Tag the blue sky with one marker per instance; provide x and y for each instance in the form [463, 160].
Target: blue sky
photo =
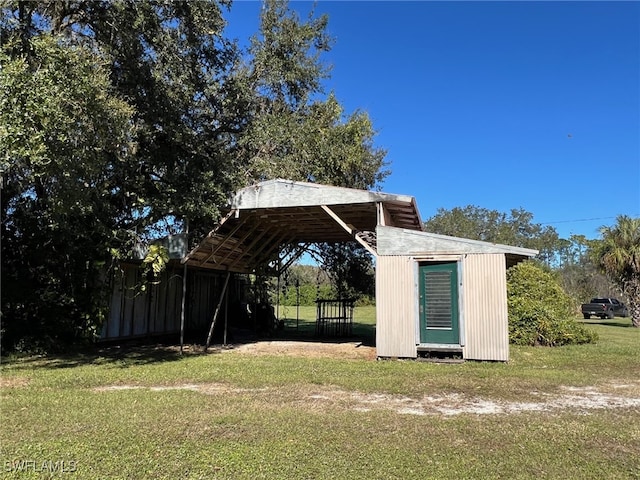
[502, 105]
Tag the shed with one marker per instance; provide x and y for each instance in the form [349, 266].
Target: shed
[433, 292]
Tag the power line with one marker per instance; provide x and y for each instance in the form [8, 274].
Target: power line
[578, 220]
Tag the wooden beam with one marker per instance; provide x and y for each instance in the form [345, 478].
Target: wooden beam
[350, 230]
[246, 235]
[224, 240]
[249, 247]
[215, 315]
[273, 244]
[295, 255]
[210, 235]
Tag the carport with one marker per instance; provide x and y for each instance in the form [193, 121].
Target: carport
[273, 223]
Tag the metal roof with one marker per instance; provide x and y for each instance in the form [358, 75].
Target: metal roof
[399, 241]
[274, 221]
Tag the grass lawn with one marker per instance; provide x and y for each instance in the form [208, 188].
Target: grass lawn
[149, 413]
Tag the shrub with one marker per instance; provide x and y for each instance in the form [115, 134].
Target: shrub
[540, 311]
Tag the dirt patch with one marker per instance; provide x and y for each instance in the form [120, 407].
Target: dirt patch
[13, 382]
[583, 400]
[342, 350]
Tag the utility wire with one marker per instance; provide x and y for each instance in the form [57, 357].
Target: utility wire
[578, 220]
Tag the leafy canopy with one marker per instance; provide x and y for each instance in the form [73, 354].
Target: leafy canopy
[515, 228]
[64, 136]
[122, 121]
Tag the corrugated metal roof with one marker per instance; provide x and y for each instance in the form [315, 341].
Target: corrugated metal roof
[273, 220]
[399, 241]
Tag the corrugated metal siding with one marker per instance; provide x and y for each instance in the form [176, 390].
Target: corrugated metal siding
[156, 311]
[396, 307]
[485, 307]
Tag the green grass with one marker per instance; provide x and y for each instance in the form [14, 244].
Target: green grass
[279, 417]
[300, 322]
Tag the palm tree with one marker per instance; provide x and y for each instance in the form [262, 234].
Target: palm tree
[618, 256]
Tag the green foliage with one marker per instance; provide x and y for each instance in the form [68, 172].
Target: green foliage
[618, 257]
[540, 312]
[293, 132]
[350, 268]
[580, 277]
[305, 294]
[64, 135]
[122, 121]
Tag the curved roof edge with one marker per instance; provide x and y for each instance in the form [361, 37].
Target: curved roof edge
[288, 193]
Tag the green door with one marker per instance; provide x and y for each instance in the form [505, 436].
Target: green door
[439, 303]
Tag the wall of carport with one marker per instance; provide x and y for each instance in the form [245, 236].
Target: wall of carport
[157, 310]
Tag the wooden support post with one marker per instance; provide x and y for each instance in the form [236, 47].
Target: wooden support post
[182, 307]
[226, 317]
[215, 315]
[184, 284]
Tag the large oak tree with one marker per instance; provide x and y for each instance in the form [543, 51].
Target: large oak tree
[145, 117]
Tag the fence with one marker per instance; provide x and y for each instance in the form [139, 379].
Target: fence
[334, 317]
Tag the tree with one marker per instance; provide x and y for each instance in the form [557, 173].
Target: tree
[65, 136]
[618, 256]
[116, 127]
[170, 62]
[294, 133]
[350, 269]
[515, 228]
[580, 277]
[145, 116]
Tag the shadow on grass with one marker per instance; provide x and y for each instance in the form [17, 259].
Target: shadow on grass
[305, 331]
[610, 323]
[123, 355]
[136, 352]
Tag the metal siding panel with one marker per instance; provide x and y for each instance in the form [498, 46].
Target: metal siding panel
[395, 307]
[173, 303]
[163, 311]
[485, 301]
[111, 328]
[128, 309]
[132, 315]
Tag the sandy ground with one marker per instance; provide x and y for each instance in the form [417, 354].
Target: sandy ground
[317, 397]
[581, 399]
[348, 350]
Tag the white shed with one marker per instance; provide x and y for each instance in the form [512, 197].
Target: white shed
[433, 293]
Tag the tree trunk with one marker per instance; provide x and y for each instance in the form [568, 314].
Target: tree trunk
[635, 314]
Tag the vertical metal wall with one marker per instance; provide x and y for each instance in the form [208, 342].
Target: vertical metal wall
[153, 312]
[484, 296]
[396, 307]
[157, 310]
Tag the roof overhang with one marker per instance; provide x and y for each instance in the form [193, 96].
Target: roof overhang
[275, 222]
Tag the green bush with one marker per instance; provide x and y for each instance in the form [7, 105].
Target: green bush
[540, 311]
